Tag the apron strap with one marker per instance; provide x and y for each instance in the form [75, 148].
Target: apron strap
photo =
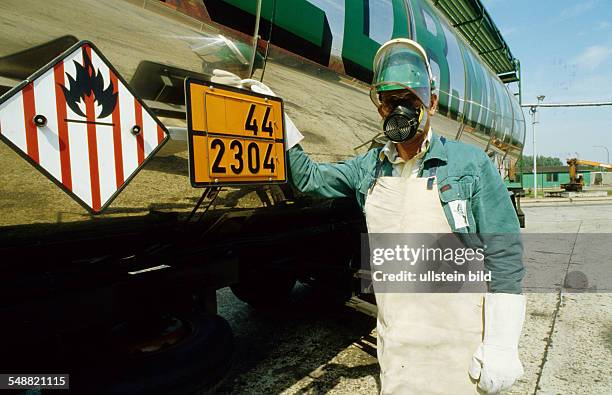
[379, 165]
[434, 168]
[378, 169]
[430, 179]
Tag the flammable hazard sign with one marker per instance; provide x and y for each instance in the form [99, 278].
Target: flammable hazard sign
[77, 121]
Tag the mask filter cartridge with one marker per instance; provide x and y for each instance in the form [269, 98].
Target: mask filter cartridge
[402, 124]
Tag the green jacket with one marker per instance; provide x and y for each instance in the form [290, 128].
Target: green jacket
[463, 172]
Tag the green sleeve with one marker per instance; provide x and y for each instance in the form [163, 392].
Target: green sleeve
[498, 226]
[329, 180]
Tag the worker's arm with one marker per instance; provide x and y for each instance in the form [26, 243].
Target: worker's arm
[330, 180]
[498, 226]
[496, 363]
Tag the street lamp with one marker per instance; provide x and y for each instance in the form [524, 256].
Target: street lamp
[533, 111]
[607, 152]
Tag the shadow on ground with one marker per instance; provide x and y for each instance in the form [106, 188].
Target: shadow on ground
[300, 349]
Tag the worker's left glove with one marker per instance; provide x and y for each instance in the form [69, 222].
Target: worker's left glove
[293, 135]
[496, 362]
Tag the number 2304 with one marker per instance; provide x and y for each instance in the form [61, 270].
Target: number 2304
[239, 157]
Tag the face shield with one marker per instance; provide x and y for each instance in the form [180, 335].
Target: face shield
[401, 64]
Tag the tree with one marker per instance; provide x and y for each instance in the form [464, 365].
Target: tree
[527, 161]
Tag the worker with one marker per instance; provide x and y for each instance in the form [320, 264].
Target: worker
[427, 343]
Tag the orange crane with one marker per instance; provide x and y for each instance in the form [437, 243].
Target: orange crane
[576, 183]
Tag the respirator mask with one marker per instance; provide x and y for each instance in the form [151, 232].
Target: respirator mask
[401, 66]
[405, 122]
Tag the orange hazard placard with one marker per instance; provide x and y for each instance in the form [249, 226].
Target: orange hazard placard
[236, 136]
[78, 122]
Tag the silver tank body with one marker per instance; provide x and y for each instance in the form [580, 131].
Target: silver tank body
[153, 45]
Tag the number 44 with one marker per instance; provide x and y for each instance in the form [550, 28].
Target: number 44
[251, 122]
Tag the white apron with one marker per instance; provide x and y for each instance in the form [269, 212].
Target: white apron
[425, 340]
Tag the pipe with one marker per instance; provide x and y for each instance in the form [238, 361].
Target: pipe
[255, 38]
[588, 104]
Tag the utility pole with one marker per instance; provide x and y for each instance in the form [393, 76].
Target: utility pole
[255, 38]
[607, 152]
[533, 110]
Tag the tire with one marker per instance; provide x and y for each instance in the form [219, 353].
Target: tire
[196, 364]
[265, 289]
[332, 290]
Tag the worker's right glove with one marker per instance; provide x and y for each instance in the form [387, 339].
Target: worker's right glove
[496, 362]
[293, 135]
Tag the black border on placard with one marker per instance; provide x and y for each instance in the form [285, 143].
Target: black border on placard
[188, 82]
[57, 182]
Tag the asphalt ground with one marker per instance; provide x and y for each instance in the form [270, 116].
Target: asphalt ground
[319, 347]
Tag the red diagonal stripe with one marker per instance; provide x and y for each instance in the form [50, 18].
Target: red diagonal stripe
[139, 136]
[92, 144]
[160, 134]
[29, 112]
[62, 126]
[118, 149]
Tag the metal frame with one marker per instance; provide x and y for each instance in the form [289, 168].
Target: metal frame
[486, 39]
[190, 133]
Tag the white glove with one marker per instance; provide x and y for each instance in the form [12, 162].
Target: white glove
[293, 135]
[496, 361]
[226, 78]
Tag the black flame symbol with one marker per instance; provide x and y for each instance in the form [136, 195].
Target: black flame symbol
[88, 82]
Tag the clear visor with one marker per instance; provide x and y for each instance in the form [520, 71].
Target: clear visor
[400, 66]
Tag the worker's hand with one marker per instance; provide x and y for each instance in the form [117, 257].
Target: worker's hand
[293, 135]
[496, 364]
[226, 78]
[257, 86]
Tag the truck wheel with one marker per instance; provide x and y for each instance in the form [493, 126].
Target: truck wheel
[170, 355]
[265, 289]
[334, 291]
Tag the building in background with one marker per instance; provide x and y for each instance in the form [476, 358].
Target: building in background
[553, 176]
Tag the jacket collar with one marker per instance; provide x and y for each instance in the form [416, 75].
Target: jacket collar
[390, 151]
[436, 149]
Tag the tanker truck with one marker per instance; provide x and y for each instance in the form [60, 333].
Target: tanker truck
[114, 234]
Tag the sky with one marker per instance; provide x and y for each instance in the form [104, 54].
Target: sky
[565, 49]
